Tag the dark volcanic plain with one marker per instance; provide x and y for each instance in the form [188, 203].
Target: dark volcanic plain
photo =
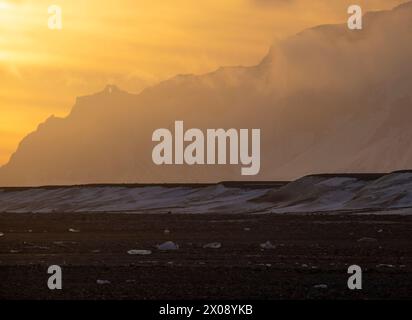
[309, 260]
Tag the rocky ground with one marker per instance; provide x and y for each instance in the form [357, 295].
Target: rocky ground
[212, 256]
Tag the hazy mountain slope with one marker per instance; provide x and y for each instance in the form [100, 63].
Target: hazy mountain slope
[327, 100]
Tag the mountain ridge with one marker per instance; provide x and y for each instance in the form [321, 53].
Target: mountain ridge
[324, 103]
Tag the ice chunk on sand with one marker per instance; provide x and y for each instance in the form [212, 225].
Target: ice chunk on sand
[168, 245]
[385, 266]
[321, 286]
[267, 245]
[73, 230]
[139, 252]
[213, 245]
[366, 239]
[1, 234]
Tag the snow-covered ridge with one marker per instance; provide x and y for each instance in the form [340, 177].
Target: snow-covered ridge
[317, 193]
[324, 193]
[152, 198]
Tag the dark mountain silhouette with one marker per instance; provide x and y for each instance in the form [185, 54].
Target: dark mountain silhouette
[327, 100]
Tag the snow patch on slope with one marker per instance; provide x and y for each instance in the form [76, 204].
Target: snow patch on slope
[217, 198]
[310, 194]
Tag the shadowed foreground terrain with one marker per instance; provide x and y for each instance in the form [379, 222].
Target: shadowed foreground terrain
[309, 257]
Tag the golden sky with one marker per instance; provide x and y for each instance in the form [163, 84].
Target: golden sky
[133, 43]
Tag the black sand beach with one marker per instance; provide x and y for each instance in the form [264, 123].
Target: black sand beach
[308, 260]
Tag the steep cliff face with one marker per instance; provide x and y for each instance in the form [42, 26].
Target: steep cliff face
[326, 100]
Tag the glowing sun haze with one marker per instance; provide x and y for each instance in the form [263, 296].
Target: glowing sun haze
[133, 43]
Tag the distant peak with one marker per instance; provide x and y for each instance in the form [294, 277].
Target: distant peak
[110, 88]
[405, 5]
